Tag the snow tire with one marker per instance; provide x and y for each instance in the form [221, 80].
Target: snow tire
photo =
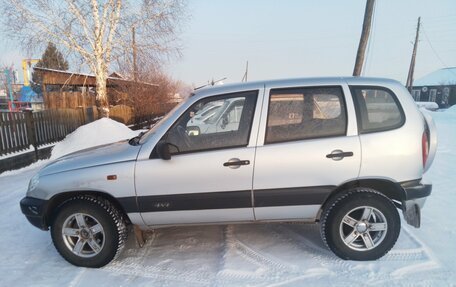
[98, 210]
[336, 212]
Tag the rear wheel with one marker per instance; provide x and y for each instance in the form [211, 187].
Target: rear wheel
[88, 231]
[361, 224]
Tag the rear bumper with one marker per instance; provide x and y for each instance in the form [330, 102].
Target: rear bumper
[416, 189]
[34, 210]
[416, 193]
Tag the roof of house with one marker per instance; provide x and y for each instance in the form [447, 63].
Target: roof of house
[440, 77]
[58, 77]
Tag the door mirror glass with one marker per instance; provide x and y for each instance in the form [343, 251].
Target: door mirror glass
[163, 150]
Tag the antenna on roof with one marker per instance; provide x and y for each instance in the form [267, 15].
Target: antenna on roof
[210, 83]
[244, 78]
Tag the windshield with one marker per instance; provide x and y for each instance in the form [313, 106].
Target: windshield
[207, 109]
[216, 114]
[159, 123]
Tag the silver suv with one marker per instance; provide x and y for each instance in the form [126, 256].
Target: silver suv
[344, 152]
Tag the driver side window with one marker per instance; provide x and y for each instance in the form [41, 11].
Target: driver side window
[213, 123]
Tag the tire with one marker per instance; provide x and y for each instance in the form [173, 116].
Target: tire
[88, 231]
[361, 224]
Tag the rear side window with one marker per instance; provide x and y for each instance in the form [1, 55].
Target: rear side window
[304, 113]
[377, 108]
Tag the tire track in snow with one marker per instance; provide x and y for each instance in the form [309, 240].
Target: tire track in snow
[222, 254]
[77, 278]
[414, 259]
[276, 271]
[430, 264]
[293, 233]
[256, 257]
[130, 266]
[413, 254]
[270, 268]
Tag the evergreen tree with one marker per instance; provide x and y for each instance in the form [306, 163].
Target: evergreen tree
[51, 59]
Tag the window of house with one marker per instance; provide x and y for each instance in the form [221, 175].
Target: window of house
[304, 113]
[446, 95]
[377, 109]
[213, 123]
[416, 95]
[432, 95]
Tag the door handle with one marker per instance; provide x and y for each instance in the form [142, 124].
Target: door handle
[339, 154]
[236, 163]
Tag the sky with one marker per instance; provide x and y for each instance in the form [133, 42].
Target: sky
[292, 38]
[282, 39]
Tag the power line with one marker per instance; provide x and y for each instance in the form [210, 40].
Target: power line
[435, 52]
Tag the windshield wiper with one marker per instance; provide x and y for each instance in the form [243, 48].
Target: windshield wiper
[135, 140]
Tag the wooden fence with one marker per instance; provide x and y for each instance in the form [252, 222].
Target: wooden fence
[20, 130]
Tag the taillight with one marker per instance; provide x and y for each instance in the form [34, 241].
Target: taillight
[425, 147]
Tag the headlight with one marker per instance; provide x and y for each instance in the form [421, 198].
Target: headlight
[34, 182]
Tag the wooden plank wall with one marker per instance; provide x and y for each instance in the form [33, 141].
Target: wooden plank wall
[123, 114]
[68, 100]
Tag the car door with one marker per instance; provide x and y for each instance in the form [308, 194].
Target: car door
[209, 176]
[308, 145]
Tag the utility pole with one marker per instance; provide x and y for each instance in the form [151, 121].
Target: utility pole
[364, 38]
[412, 62]
[135, 67]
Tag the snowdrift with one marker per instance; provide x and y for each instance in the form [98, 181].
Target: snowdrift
[432, 106]
[99, 132]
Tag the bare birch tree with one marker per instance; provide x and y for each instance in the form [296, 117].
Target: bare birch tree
[97, 32]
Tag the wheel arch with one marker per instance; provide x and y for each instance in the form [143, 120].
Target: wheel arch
[387, 187]
[58, 199]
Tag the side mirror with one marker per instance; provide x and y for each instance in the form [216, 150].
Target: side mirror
[163, 151]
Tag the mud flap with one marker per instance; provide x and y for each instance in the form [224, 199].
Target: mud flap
[412, 214]
[139, 234]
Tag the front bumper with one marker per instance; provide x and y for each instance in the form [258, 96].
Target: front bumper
[415, 196]
[35, 211]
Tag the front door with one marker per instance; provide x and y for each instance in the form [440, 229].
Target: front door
[308, 147]
[209, 176]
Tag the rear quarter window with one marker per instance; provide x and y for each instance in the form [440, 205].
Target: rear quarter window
[377, 108]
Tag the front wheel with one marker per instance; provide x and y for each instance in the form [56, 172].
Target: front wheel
[88, 231]
[361, 224]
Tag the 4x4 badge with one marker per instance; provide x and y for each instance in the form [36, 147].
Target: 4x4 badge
[162, 205]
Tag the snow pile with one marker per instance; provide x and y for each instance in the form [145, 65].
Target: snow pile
[432, 106]
[99, 132]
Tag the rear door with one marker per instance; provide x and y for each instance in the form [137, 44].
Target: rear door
[308, 145]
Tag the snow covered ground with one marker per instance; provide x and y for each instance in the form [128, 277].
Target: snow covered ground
[242, 255]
